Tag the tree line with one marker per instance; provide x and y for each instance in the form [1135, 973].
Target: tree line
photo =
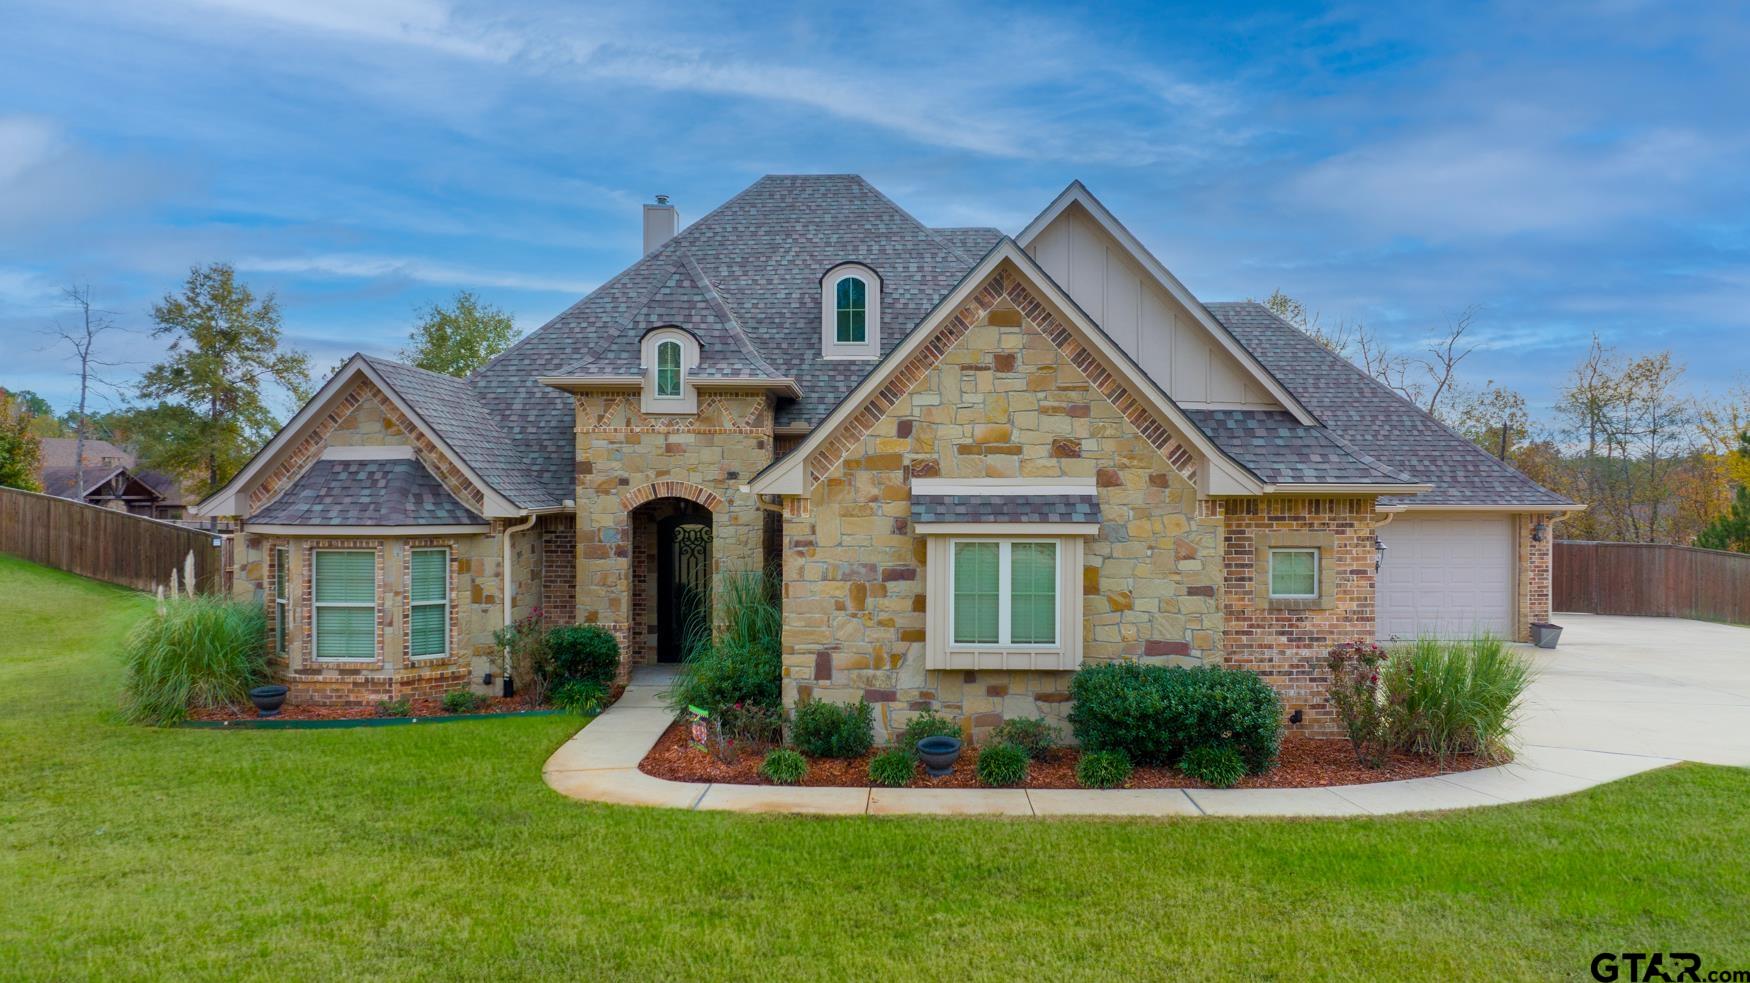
[207, 407]
[1651, 461]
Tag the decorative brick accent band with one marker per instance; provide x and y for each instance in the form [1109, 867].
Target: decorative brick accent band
[620, 413]
[672, 489]
[1001, 285]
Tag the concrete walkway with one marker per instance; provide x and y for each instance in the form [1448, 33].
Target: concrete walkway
[1621, 696]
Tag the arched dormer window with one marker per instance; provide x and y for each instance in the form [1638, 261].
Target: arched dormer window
[668, 356]
[668, 369]
[850, 312]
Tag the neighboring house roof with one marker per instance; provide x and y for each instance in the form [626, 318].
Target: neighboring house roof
[1005, 508]
[1362, 412]
[397, 492]
[63, 482]
[61, 452]
[1281, 450]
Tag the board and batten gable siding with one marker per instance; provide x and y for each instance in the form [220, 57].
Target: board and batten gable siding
[1146, 321]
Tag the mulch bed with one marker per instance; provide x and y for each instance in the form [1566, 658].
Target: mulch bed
[322, 711]
[1304, 763]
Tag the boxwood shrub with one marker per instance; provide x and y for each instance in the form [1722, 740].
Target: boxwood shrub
[1155, 714]
[833, 730]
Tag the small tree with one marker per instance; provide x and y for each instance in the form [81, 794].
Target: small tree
[1732, 530]
[20, 448]
[460, 338]
[225, 348]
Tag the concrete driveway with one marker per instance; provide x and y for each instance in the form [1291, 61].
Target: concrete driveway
[1663, 687]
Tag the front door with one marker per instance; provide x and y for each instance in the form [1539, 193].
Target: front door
[683, 585]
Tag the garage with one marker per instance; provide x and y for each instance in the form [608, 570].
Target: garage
[1446, 575]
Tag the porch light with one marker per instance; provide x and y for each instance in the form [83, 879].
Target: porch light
[1537, 531]
[1378, 553]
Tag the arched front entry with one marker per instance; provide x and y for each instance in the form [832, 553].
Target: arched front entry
[672, 564]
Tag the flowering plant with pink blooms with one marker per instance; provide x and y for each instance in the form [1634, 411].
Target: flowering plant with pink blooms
[1355, 694]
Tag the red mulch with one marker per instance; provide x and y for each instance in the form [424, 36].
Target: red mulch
[1304, 763]
[418, 708]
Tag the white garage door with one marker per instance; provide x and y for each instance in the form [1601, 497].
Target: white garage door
[1448, 576]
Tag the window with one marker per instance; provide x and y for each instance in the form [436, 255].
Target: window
[1294, 573]
[668, 369]
[853, 312]
[1004, 593]
[344, 591]
[429, 626]
[282, 571]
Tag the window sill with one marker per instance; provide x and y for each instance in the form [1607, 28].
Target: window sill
[1014, 660]
[1297, 603]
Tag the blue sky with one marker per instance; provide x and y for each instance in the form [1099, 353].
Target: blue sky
[1570, 168]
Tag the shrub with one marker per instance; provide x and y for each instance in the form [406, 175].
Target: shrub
[1157, 713]
[744, 662]
[584, 653]
[749, 722]
[402, 707]
[463, 701]
[784, 766]
[834, 730]
[578, 696]
[1455, 697]
[892, 768]
[1355, 693]
[1035, 735]
[1002, 764]
[925, 724]
[1103, 769]
[528, 660]
[1214, 764]
[201, 651]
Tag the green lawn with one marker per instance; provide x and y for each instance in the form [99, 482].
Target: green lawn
[437, 852]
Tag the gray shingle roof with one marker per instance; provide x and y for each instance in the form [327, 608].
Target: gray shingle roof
[763, 252]
[366, 493]
[1362, 412]
[1280, 449]
[1005, 508]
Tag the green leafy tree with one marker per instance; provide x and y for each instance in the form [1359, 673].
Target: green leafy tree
[225, 349]
[1732, 530]
[20, 449]
[458, 339]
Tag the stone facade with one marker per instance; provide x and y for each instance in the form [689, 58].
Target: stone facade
[627, 459]
[1002, 399]
[1285, 641]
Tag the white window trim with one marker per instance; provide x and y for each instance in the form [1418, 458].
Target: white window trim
[680, 382]
[412, 605]
[1271, 573]
[688, 400]
[940, 649]
[1005, 595]
[830, 346]
[316, 622]
[282, 599]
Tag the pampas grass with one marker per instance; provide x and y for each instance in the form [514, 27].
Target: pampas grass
[1452, 697]
[199, 651]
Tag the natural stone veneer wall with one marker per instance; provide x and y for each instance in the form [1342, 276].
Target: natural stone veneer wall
[1003, 401]
[626, 458]
[1286, 644]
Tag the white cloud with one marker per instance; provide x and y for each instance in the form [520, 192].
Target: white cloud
[367, 267]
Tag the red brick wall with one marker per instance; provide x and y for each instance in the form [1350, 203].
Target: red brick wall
[558, 570]
[1287, 646]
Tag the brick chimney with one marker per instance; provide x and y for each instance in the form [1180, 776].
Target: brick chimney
[661, 222]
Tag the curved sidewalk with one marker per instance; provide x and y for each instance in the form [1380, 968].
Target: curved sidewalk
[600, 764]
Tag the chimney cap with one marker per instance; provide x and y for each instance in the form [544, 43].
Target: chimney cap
[662, 199]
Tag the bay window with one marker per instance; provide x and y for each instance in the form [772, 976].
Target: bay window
[343, 590]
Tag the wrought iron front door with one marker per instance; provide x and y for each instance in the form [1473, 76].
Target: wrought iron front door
[684, 588]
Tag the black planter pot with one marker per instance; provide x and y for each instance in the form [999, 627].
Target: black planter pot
[268, 699]
[938, 754]
[1545, 635]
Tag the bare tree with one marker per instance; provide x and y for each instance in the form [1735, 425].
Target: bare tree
[93, 324]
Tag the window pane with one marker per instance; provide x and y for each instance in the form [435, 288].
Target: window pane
[430, 627]
[346, 577]
[1293, 572]
[1033, 593]
[280, 572]
[346, 633]
[430, 575]
[668, 368]
[975, 593]
[852, 311]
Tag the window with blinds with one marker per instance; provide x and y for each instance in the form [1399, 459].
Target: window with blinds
[282, 572]
[344, 599]
[429, 627]
[1005, 592]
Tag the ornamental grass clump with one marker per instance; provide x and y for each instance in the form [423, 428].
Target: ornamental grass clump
[893, 768]
[1356, 668]
[194, 652]
[1448, 698]
[742, 661]
[1214, 764]
[784, 766]
[1103, 769]
[1001, 765]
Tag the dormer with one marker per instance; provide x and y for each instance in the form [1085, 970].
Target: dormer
[850, 312]
[668, 356]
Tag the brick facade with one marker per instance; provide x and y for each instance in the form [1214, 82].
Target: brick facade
[1533, 559]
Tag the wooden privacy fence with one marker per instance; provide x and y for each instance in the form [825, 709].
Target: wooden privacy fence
[130, 550]
[1651, 579]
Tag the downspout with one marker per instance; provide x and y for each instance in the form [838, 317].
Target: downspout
[505, 582]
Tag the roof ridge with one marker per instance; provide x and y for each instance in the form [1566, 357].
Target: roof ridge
[731, 324]
[945, 244]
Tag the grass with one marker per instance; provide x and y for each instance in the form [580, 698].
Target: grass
[418, 852]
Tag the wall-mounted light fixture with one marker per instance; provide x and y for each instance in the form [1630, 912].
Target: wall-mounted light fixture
[1378, 553]
[1538, 531]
